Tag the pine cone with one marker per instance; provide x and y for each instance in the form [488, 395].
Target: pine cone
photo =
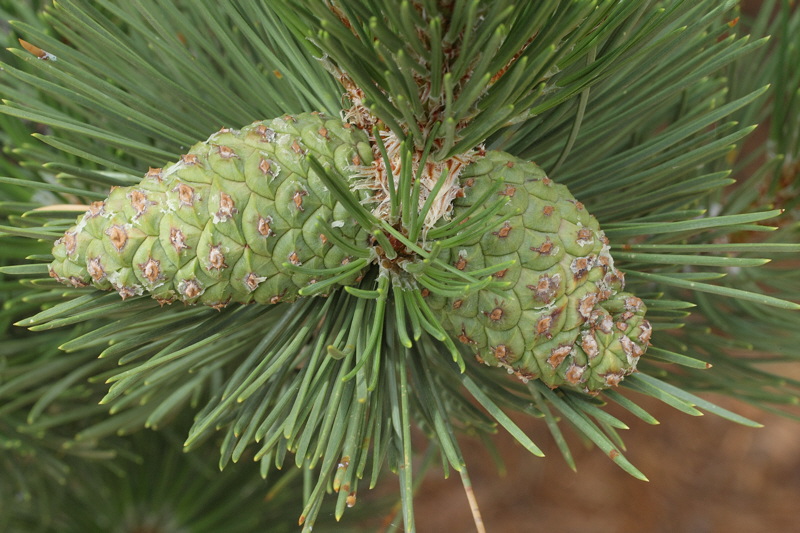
[564, 319]
[225, 222]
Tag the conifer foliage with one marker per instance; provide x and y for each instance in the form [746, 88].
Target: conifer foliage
[441, 213]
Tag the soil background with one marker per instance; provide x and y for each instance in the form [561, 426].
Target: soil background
[707, 475]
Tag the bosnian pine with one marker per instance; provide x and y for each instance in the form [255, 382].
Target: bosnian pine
[322, 227]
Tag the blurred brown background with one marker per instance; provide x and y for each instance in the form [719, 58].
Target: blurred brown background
[707, 475]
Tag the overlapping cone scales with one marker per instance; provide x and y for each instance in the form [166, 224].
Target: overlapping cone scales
[221, 224]
[564, 319]
[231, 219]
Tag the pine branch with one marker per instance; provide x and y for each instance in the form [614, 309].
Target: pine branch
[638, 106]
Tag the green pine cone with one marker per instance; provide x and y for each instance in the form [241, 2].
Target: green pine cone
[226, 222]
[564, 319]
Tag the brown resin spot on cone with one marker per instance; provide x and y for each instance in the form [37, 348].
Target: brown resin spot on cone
[461, 264]
[580, 267]
[646, 331]
[543, 326]
[457, 304]
[226, 207]
[190, 288]
[294, 259]
[128, 292]
[612, 379]
[558, 354]
[632, 350]
[252, 281]
[151, 270]
[139, 202]
[267, 135]
[190, 159]
[501, 352]
[77, 282]
[297, 148]
[226, 152]
[277, 298]
[185, 194]
[323, 133]
[297, 198]
[574, 373]
[55, 276]
[612, 278]
[118, 236]
[633, 304]
[96, 209]
[603, 322]
[500, 273]
[267, 167]
[177, 239]
[70, 241]
[263, 226]
[553, 315]
[508, 191]
[604, 262]
[586, 305]
[589, 344]
[155, 174]
[546, 288]
[463, 337]
[503, 232]
[548, 210]
[524, 375]
[216, 259]
[95, 269]
[495, 314]
[545, 248]
[220, 305]
[585, 236]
